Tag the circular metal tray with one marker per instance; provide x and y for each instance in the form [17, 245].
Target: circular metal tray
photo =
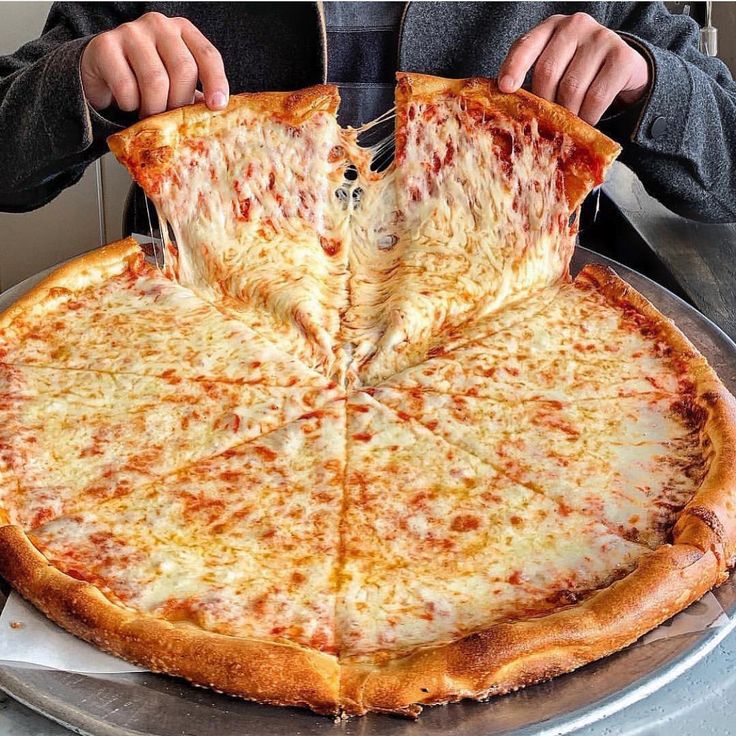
[122, 705]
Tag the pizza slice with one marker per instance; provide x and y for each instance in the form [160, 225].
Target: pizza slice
[236, 554]
[438, 546]
[487, 186]
[251, 196]
[71, 437]
[591, 340]
[632, 463]
[112, 311]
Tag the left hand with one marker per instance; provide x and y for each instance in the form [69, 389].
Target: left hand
[579, 64]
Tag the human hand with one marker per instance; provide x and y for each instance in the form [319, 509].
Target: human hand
[152, 64]
[579, 64]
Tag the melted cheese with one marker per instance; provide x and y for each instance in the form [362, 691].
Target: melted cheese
[577, 346]
[479, 226]
[256, 219]
[72, 437]
[455, 546]
[172, 442]
[242, 544]
[645, 451]
[148, 325]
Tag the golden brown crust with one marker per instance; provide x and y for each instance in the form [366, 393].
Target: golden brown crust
[110, 260]
[268, 672]
[146, 147]
[503, 657]
[509, 656]
[594, 152]
[709, 520]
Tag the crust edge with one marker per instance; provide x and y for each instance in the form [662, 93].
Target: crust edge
[110, 260]
[709, 519]
[506, 657]
[509, 656]
[148, 143]
[273, 673]
[598, 151]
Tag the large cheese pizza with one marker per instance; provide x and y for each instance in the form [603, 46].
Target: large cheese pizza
[361, 443]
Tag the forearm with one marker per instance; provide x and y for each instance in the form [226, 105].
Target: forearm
[49, 132]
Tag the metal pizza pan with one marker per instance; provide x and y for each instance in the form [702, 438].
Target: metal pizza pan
[156, 705]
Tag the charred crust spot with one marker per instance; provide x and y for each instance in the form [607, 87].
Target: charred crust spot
[709, 518]
[692, 414]
[711, 398]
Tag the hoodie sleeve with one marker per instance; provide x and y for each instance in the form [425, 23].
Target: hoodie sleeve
[48, 131]
[682, 139]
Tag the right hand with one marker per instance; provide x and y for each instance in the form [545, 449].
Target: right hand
[152, 64]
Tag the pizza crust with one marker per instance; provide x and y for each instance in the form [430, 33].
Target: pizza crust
[590, 144]
[146, 147]
[506, 657]
[708, 522]
[105, 262]
[497, 660]
[276, 673]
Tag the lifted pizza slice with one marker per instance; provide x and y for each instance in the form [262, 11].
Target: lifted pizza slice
[487, 187]
[72, 437]
[238, 551]
[251, 195]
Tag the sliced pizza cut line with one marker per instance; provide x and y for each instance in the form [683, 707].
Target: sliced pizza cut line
[310, 378]
[584, 344]
[424, 560]
[637, 484]
[250, 195]
[486, 187]
[540, 398]
[111, 311]
[70, 437]
[242, 544]
[342, 530]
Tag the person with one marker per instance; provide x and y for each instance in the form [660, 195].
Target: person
[632, 69]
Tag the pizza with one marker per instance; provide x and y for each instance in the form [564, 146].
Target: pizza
[250, 196]
[362, 443]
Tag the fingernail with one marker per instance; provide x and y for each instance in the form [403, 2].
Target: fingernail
[507, 83]
[219, 100]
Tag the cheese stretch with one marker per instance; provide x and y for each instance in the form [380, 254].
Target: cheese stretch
[358, 412]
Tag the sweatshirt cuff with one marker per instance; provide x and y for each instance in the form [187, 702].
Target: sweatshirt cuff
[663, 117]
[71, 124]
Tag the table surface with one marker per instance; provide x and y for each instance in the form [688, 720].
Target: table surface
[702, 259]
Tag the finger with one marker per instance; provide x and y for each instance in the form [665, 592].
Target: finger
[211, 68]
[119, 77]
[523, 53]
[149, 69]
[604, 89]
[181, 68]
[579, 75]
[552, 62]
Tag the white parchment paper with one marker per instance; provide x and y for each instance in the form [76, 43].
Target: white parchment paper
[27, 637]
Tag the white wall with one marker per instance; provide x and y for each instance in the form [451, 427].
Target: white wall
[70, 224]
